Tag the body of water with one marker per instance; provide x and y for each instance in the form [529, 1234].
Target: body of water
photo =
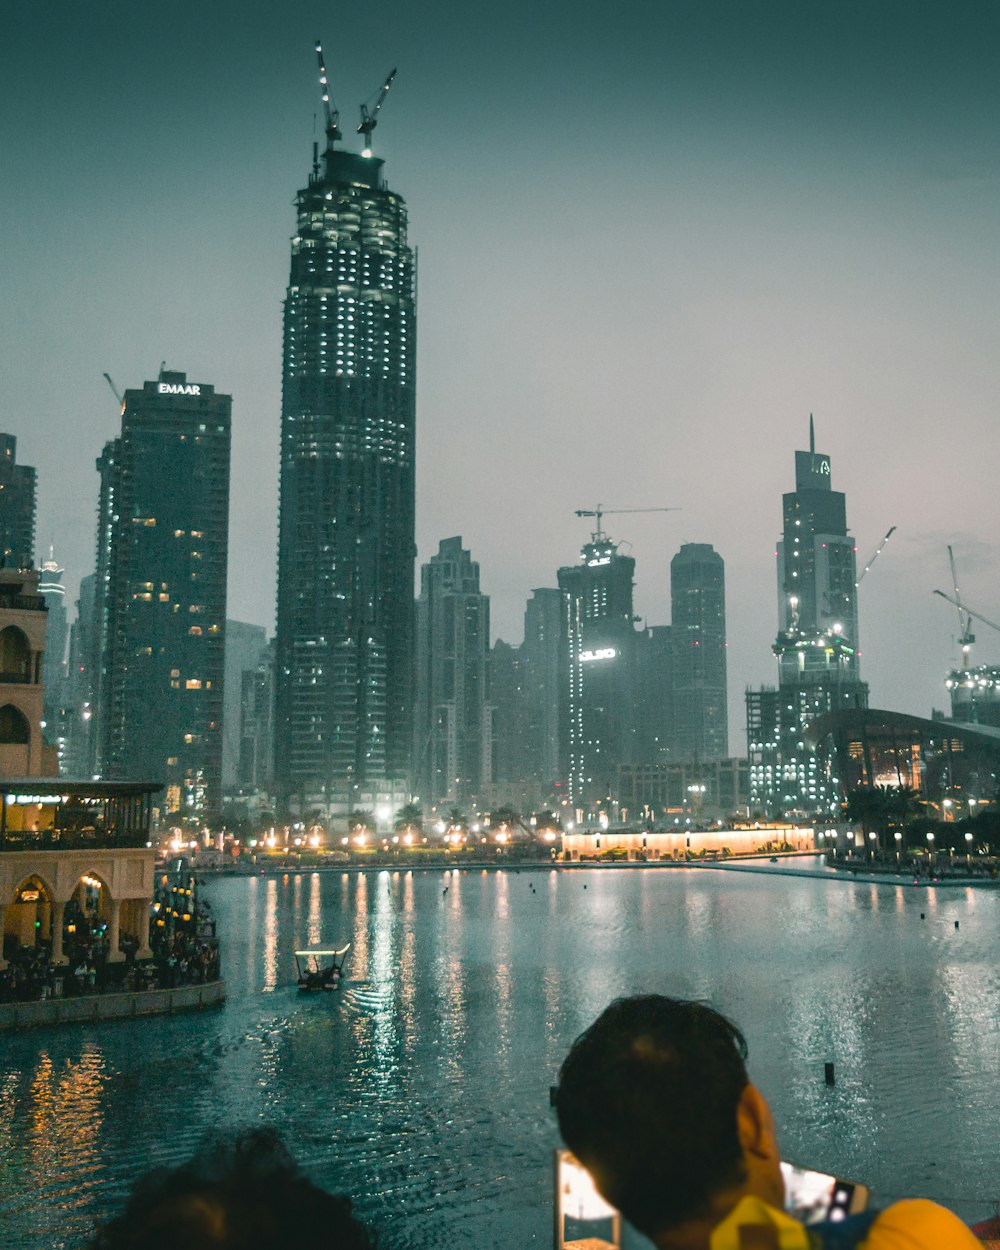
[421, 1086]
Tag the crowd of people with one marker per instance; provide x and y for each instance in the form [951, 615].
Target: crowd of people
[183, 955]
[653, 1099]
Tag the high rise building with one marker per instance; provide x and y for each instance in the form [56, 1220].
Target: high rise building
[162, 560]
[245, 648]
[453, 725]
[52, 590]
[345, 623]
[545, 660]
[698, 642]
[600, 660]
[17, 508]
[816, 646]
[80, 681]
[654, 695]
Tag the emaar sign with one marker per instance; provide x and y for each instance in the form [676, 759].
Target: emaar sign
[177, 388]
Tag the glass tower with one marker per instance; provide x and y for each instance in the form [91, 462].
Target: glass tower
[161, 592]
[346, 550]
[816, 646]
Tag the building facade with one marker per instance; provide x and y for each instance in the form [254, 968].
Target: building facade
[816, 646]
[17, 508]
[600, 658]
[346, 550]
[453, 729]
[246, 647]
[698, 644]
[23, 753]
[162, 564]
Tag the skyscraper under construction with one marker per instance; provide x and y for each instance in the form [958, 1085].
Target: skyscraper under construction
[816, 646]
[345, 627]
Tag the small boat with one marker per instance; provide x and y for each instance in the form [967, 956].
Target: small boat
[320, 969]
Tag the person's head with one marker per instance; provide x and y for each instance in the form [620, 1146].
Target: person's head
[246, 1193]
[654, 1101]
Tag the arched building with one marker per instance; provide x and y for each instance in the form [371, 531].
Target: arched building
[952, 766]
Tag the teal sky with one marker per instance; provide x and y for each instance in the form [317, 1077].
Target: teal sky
[653, 237]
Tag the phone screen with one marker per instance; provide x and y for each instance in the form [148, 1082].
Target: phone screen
[812, 1196]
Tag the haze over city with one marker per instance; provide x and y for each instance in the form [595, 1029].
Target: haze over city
[650, 244]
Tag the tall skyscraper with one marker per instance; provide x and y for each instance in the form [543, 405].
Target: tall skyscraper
[816, 647]
[162, 548]
[545, 660]
[600, 660]
[17, 508]
[346, 550]
[246, 646]
[698, 641]
[52, 590]
[453, 725]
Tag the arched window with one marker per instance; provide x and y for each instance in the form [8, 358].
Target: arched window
[15, 655]
[14, 727]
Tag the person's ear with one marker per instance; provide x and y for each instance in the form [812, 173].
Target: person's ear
[755, 1124]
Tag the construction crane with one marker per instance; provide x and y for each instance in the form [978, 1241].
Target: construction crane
[330, 113]
[370, 120]
[114, 390]
[878, 552]
[969, 612]
[600, 512]
[966, 636]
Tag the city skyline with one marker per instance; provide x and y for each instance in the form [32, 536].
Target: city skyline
[672, 238]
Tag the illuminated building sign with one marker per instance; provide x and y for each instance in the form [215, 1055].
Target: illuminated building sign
[40, 799]
[591, 564]
[602, 653]
[178, 388]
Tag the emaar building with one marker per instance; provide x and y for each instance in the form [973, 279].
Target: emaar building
[346, 549]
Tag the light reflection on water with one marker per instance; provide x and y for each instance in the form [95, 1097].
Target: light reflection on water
[421, 1087]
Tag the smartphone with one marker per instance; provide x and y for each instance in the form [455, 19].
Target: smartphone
[813, 1196]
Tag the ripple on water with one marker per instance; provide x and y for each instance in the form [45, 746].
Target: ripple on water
[421, 1085]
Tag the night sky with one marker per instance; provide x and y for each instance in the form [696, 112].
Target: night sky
[653, 237]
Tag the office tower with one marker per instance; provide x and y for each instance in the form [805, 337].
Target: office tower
[816, 646]
[256, 766]
[80, 683]
[17, 508]
[245, 645]
[161, 589]
[453, 723]
[600, 660]
[545, 661]
[698, 638]
[52, 590]
[513, 764]
[344, 680]
[654, 695]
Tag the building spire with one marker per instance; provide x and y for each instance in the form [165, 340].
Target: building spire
[812, 436]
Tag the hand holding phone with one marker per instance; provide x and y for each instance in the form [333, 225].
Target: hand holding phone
[813, 1196]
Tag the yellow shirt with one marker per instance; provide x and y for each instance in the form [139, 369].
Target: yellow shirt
[915, 1224]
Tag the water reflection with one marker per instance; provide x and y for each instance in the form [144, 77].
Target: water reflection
[421, 1086]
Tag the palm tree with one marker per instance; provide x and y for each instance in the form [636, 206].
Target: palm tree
[455, 818]
[360, 821]
[409, 817]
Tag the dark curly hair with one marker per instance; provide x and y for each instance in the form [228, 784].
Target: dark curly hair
[240, 1193]
[647, 1101]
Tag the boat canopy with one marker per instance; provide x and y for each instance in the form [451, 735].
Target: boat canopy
[324, 953]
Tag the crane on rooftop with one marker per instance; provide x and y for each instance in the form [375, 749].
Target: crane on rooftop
[969, 612]
[114, 390]
[878, 552]
[370, 120]
[600, 512]
[330, 112]
[966, 636]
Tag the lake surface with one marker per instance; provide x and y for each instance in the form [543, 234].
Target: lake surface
[421, 1087]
